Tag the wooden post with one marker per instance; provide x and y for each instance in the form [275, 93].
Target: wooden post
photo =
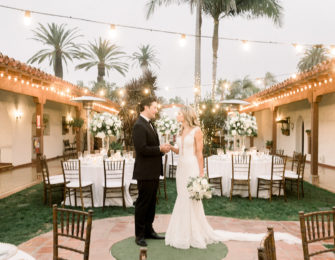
[251, 137]
[39, 129]
[78, 133]
[274, 128]
[315, 139]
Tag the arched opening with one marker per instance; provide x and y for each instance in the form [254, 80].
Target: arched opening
[299, 140]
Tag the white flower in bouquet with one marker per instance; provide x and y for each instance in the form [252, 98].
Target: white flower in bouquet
[199, 188]
[105, 124]
[167, 126]
[233, 132]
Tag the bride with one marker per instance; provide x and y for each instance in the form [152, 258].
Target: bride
[188, 225]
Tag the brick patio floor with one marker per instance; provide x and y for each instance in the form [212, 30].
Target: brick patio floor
[108, 231]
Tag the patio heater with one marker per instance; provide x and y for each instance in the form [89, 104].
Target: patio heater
[88, 104]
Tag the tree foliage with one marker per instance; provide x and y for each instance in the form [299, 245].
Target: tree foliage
[106, 56]
[135, 92]
[145, 57]
[242, 88]
[61, 46]
[312, 57]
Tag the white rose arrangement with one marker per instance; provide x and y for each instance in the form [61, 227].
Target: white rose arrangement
[167, 126]
[105, 124]
[199, 188]
[242, 125]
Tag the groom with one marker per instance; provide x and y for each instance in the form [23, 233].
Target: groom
[148, 167]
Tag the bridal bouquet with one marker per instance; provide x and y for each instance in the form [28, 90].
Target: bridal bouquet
[167, 126]
[199, 188]
[105, 124]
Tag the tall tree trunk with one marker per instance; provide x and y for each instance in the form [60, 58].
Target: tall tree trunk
[101, 72]
[58, 67]
[144, 69]
[215, 46]
[197, 71]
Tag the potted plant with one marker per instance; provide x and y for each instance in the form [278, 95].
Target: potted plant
[77, 123]
[269, 144]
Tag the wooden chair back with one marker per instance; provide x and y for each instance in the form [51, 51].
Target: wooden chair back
[114, 170]
[71, 171]
[278, 166]
[295, 161]
[45, 170]
[143, 253]
[73, 224]
[301, 166]
[241, 165]
[206, 166]
[267, 249]
[317, 226]
[279, 152]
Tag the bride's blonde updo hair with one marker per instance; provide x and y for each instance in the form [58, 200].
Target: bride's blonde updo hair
[190, 117]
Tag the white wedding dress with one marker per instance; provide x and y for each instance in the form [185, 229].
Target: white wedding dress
[188, 225]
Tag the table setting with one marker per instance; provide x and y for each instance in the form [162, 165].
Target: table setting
[92, 169]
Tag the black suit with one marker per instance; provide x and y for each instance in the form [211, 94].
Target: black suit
[148, 167]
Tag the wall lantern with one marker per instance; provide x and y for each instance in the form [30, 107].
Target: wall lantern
[18, 114]
[285, 126]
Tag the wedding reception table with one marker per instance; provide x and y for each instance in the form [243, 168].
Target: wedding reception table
[11, 252]
[92, 169]
[221, 166]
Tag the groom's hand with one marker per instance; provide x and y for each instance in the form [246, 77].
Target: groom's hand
[164, 148]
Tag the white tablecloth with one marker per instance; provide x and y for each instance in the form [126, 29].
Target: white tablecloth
[11, 252]
[221, 166]
[93, 170]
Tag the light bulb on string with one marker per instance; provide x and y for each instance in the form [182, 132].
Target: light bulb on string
[332, 50]
[27, 18]
[298, 47]
[182, 40]
[146, 91]
[294, 76]
[112, 31]
[226, 85]
[167, 88]
[246, 45]
[102, 92]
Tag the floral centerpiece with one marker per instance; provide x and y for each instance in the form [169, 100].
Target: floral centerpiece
[199, 188]
[242, 125]
[167, 126]
[105, 125]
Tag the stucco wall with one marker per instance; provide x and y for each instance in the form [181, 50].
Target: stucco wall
[264, 124]
[16, 135]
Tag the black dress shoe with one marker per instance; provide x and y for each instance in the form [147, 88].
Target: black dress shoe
[140, 241]
[154, 235]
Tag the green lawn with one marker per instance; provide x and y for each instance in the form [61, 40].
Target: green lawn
[23, 215]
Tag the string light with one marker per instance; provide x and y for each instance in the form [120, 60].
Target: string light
[102, 93]
[85, 91]
[167, 88]
[1, 74]
[246, 45]
[332, 50]
[146, 91]
[294, 76]
[298, 47]
[27, 18]
[123, 103]
[121, 93]
[151, 29]
[112, 31]
[182, 41]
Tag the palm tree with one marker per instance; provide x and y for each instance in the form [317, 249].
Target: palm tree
[221, 88]
[242, 88]
[269, 80]
[61, 43]
[312, 57]
[220, 9]
[106, 56]
[145, 57]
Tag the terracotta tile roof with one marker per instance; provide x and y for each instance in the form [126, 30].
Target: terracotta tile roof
[22, 67]
[320, 68]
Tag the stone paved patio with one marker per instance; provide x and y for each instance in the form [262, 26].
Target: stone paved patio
[108, 231]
